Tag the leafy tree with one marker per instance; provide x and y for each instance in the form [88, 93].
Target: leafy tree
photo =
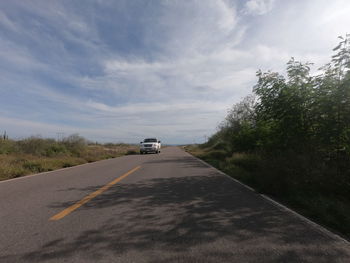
[333, 101]
[300, 113]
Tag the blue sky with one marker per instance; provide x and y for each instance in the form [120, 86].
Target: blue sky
[124, 70]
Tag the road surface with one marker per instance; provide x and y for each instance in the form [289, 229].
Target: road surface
[169, 207]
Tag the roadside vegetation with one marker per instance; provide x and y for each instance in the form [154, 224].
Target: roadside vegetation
[290, 139]
[35, 154]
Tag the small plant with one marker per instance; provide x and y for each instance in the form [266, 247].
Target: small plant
[55, 150]
[33, 166]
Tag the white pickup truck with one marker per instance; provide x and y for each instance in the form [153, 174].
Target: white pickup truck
[150, 145]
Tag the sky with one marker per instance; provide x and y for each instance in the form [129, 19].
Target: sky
[120, 71]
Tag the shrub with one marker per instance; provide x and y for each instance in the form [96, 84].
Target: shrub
[35, 145]
[247, 161]
[217, 155]
[75, 144]
[7, 146]
[33, 166]
[55, 150]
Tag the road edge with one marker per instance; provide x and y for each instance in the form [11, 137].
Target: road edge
[321, 229]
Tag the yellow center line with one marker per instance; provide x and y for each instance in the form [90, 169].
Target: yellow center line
[87, 198]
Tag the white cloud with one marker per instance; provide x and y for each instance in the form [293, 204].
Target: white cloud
[179, 68]
[259, 7]
[218, 72]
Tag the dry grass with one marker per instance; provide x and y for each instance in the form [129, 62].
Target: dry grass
[14, 165]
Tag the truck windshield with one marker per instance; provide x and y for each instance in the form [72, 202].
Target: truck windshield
[150, 140]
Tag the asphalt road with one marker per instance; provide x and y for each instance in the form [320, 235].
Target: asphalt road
[173, 208]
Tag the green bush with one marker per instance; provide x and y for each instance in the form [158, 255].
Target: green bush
[55, 150]
[35, 145]
[8, 146]
[75, 144]
[250, 162]
[35, 167]
[219, 155]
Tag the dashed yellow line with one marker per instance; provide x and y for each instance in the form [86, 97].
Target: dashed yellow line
[87, 198]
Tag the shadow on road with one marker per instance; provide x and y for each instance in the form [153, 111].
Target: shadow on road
[180, 162]
[207, 218]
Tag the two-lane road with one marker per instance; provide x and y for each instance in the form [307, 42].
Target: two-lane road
[152, 208]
